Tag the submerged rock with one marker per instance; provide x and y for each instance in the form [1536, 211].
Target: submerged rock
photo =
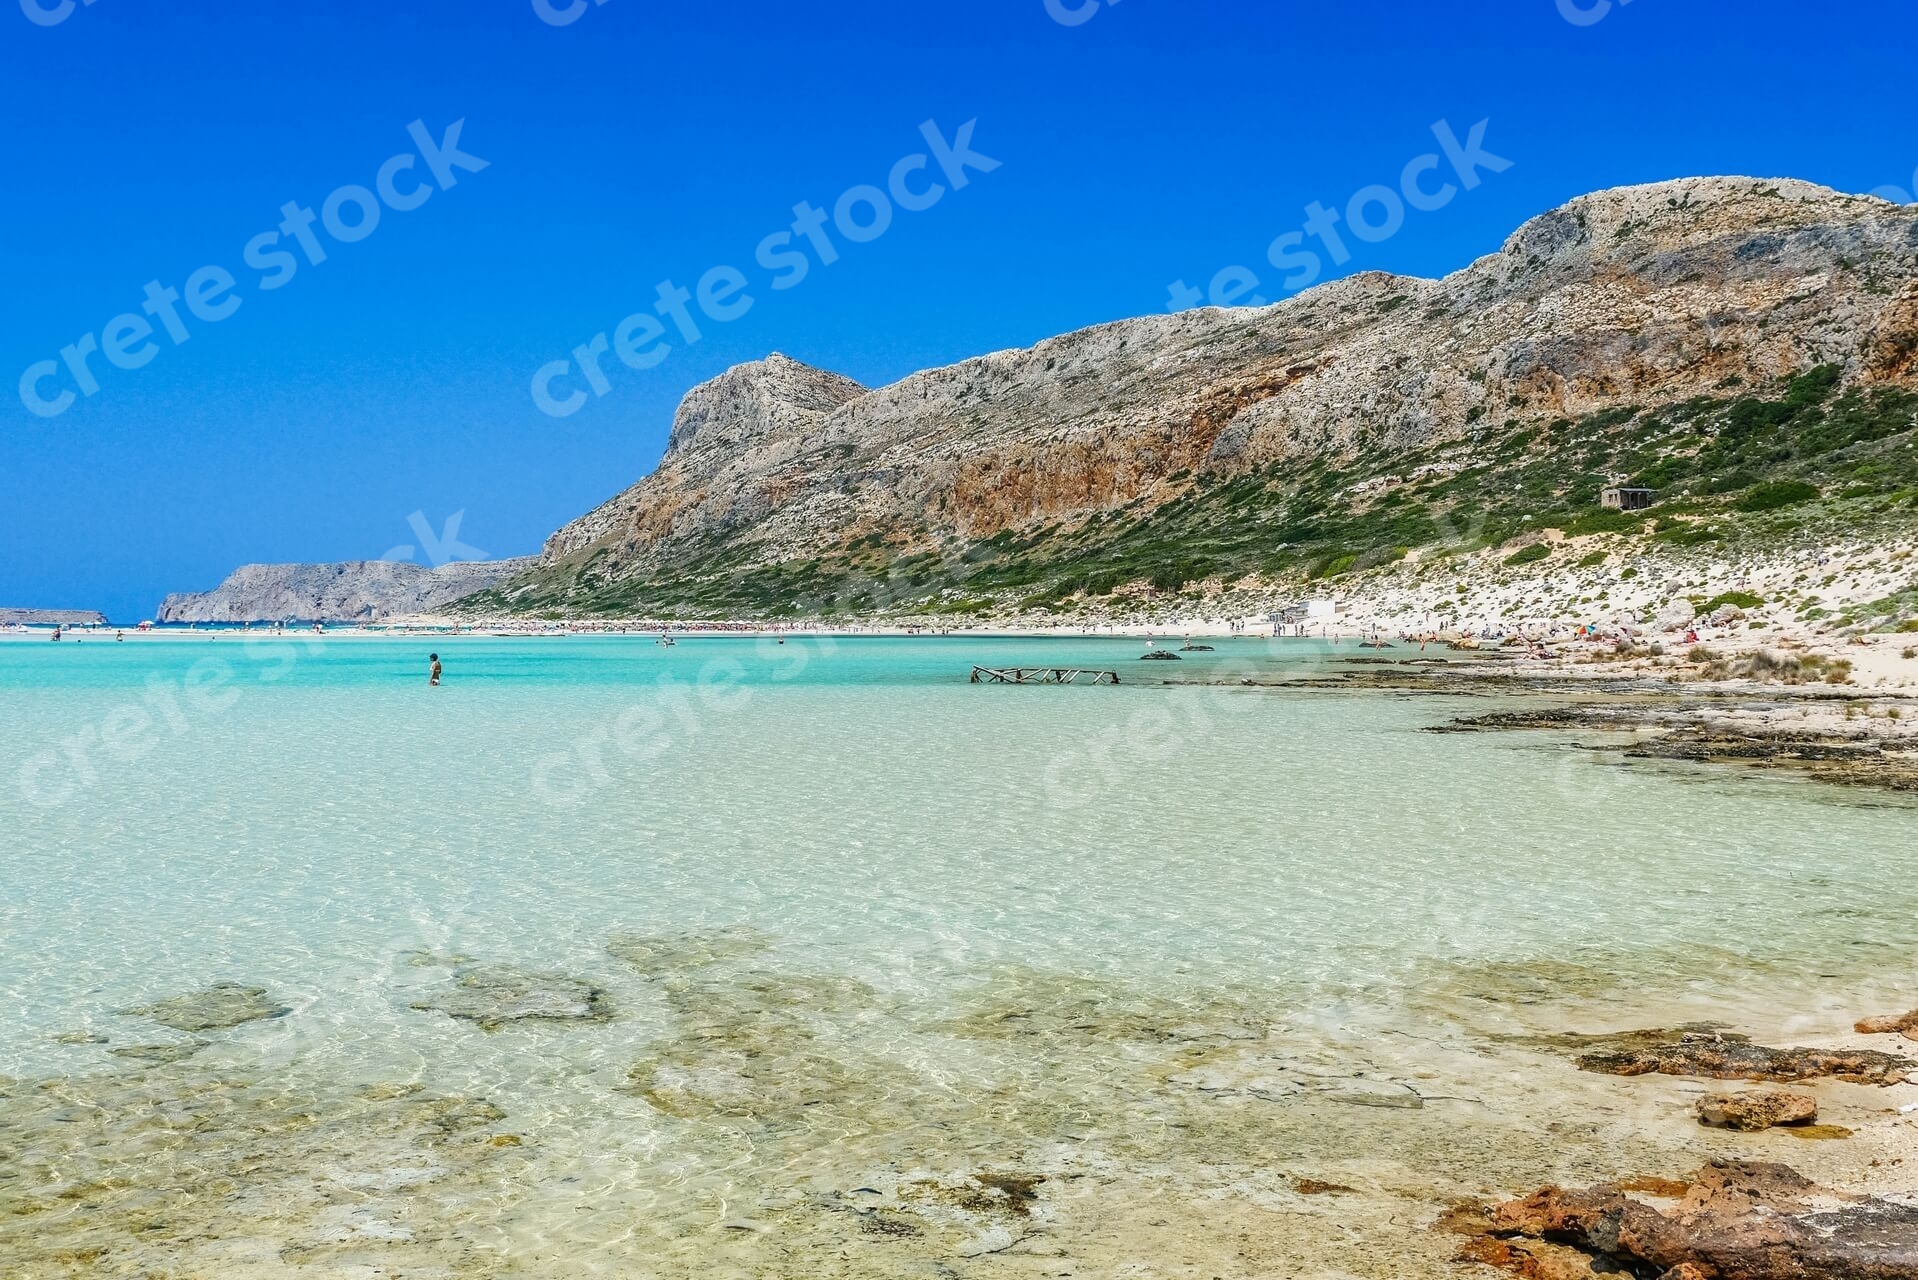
[176, 1170]
[495, 995]
[1738, 1221]
[1362, 1092]
[1727, 1058]
[158, 1054]
[1027, 1006]
[770, 1049]
[219, 1007]
[1754, 1109]
[656, 954]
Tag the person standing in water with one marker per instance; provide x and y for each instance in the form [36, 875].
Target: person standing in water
[433, 677]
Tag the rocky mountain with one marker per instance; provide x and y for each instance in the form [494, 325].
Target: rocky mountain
[1617, 336]
[748, 423]
[355, 591]
[51, 618]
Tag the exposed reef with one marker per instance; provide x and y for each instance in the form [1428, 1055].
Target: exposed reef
[1729, 1057]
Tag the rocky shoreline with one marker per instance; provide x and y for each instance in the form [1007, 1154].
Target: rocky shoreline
[1731, 1220]
[1819, 743]
[1844, 736]
[1285, 1147]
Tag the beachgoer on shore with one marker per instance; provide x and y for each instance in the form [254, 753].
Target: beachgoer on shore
[433, 677]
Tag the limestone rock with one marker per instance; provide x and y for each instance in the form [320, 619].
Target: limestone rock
[1739, 1221]
[1725, 1058]
[750, 420]
[494, 996]
[1532, 1259]
[658, 954]
[1905, 1024]
[1754, 1109]
[158, 1054]
[1675, 616]
[219, 1007]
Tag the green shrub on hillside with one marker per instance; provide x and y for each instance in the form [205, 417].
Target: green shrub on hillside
[1687, 535]
[1529, 555]
[1777, 494]
[1605, 520]
[1738, 599]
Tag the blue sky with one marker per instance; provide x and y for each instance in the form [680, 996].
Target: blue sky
[1155, 140]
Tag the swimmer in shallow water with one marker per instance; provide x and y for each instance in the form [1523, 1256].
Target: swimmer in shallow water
[433, 677]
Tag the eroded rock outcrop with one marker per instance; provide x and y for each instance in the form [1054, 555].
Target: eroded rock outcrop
[1736, 1221]
[1905, 1024]
[1721, 1057]
[1752, 1110]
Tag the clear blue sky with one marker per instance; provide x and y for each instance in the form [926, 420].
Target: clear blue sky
[1158, 140]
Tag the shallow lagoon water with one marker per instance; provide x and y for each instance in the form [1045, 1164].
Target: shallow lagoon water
[864, 933]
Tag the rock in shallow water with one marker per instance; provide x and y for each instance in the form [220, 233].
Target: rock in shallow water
[659, 954]
[495, 995]
[220, 1006]
[158, 1054]
[1755, 1109]
[1739, 1221]
[1725, 1058]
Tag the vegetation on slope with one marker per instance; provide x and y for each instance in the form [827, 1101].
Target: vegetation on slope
[1730, 467]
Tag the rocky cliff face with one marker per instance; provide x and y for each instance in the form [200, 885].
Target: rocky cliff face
[355, 591]
[1636, 299]
[728, 435]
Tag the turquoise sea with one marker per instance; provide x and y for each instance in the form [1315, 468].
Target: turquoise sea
[890, 972]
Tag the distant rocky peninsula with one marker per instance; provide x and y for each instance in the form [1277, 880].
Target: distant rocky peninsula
[51, 618]
[352, 591]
